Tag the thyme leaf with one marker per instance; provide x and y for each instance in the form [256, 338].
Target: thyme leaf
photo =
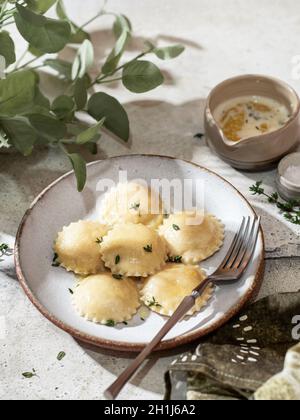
[290, 209]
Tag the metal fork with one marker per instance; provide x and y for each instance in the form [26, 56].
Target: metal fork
[231, 270]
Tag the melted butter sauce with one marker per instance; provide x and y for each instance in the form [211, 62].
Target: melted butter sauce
[250, 116]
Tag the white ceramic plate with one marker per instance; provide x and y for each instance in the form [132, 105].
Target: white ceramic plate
[60, 204]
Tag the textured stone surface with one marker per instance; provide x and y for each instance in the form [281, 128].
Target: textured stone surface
[220, 43]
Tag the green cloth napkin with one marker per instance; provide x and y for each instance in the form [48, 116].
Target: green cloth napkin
[240, 360]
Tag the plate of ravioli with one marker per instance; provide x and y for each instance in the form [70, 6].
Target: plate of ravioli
[111, 264]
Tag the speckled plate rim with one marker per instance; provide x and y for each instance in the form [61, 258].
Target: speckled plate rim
[135, 347]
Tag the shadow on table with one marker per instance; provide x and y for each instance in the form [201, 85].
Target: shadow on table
[172, 133]
[150, 376]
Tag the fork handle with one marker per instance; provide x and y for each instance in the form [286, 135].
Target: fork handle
[113, 391]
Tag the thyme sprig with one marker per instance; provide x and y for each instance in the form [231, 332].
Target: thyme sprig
[290, 209]
[5, 251]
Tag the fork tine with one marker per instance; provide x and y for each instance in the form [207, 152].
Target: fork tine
[247, 240]
[238, 245]
[251, 246]
[234, 242]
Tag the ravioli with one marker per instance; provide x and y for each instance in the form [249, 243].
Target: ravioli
[78, 247]
[192, 236]
[105, 300]
[163, 292]
[133, 250]
[132, 203]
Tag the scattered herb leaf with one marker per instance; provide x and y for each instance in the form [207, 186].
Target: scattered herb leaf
[125, 323]
[199, 136]
[176, 227]
[135, 206]
[29, 375]
[110, 323]
[71, 291]
[118, 259]
[177, 259]
[99, 240]
[61, 355]
[154, 303]
[4, 248]
[55, 262]
[117, 276]
[148, 248]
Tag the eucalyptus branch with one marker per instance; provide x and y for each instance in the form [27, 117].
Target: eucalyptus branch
[99, 14]
[102, 78]
[58, 123]
[31, 61]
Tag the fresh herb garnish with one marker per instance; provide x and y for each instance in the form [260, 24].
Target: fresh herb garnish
[61, 355]
[118, 259]
[29, 375]
[290, 209]
[117, 276]
[176, 227]
[154, 303]
[71, 291]
[148, 248]
[199, 136]
[4, 250]
[177, 259]
[135, 206]
[55, 261]
[99, 241]
[166, 216]
[110, 323]
[142, 319]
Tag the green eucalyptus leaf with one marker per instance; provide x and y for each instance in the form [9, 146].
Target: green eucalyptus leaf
[61, 10]
[84, 60]
[92, 134]
[64, 68]
[81, 92]
[102, 105]
[7, 48]
[48, 127]
[141, 76]
[17, 92]
[167, 53]
[79, 166]
[40, 6]
[116, 54]
[35, 51]
[64, 107]
[41, 103]
[78, 34]
[45, 34]
[20, 133]
[122, 24]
